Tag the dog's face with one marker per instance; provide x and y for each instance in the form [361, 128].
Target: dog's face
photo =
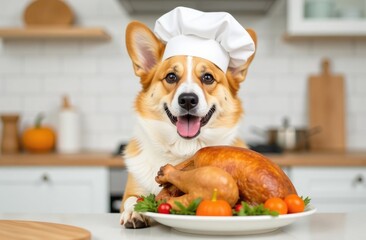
[188, 98]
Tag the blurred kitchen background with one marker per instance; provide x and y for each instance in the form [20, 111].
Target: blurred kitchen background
[96, 73]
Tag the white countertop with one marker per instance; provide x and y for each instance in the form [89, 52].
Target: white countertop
[345, 226]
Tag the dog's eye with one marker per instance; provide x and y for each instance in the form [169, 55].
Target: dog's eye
[207, 78]
[171, 78]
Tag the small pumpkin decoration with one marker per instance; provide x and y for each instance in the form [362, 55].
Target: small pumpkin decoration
[39, 139]
[214, 207]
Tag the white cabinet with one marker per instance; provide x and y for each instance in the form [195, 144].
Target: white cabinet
[332, 189]
[54, 189]
[339, 25]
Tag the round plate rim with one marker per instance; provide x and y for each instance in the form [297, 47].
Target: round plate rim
[310, 210]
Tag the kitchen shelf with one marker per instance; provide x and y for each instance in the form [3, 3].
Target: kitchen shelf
[300, 27]
[313, 37]
[233, 6]
[54, 33]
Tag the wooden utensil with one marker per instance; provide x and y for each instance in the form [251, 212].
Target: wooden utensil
[48, 13]
[327, 109]
[16, 230]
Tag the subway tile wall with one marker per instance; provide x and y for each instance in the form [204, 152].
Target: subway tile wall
[98, 76]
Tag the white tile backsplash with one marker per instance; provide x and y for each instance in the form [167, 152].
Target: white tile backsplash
[62, 84]
[356, 140]
[40, 103]
[270, 65]
[101, 85]
[22, 47]
[360, 121]
[19, 84]
[113, 104]
[101, 123]
[360, 85]
[79, 65]
[84, 8]
[98, 76]
[61, 48]
[10, 104]
[350, 65]
[293, 49]
[11, 64]
[13, 8]
[42, 65]
[114, 65]
[289, 83]
[333, 49]
[356, 104]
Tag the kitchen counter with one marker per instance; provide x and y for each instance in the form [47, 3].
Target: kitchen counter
[345, 226]
[326, 159]
[88, 159]
[320, 159]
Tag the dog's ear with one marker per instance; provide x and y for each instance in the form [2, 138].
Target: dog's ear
[144, 48]
[238, 74]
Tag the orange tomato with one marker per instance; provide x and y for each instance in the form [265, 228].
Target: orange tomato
[214, 207]
[294, 203]
[276, 204]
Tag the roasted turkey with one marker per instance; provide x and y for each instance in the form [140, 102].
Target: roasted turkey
[237, 173]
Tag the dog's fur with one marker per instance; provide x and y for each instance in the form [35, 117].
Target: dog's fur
[156, 141]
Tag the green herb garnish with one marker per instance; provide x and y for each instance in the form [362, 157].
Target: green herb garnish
[147, 204]
[248, 210]
[306, 200]
[190, 210]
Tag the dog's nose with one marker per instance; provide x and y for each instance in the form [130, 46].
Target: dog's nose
[188, 100]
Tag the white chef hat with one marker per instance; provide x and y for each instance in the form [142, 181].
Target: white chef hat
[215, 36]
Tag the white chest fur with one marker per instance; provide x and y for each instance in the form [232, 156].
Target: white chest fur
[160, 145]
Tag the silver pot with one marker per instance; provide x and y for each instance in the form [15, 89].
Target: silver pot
[289, 138]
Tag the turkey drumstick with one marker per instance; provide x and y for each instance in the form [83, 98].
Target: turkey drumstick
[199, 182]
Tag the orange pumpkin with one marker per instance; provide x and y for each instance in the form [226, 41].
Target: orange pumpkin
[214, 207]
[39, 139]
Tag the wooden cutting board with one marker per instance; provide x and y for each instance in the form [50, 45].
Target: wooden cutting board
[48, 13]
[327, 109]
[16, 230]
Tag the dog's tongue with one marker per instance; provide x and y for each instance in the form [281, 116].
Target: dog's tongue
[188, 126]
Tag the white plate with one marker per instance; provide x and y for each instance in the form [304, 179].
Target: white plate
[228, 225]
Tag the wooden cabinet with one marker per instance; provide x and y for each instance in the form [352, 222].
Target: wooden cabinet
[337, 25]
[54, 189]
[332, 189]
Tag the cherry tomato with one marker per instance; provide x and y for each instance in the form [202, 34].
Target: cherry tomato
[238, 207]
[164, 208]
[276, 204]
[294, 203]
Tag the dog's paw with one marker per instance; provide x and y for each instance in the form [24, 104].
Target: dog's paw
[132, 219]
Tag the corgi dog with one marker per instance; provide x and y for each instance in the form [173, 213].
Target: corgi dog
[185, 103]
